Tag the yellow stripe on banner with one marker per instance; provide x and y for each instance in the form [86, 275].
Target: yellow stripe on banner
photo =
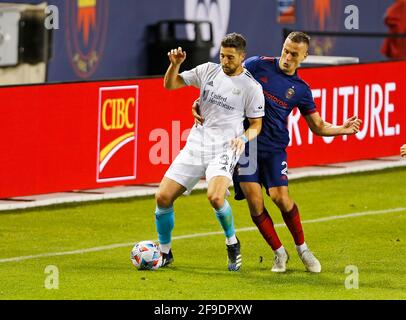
[86, 3]
[113, 144]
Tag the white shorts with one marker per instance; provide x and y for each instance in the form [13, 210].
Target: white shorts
[189, 167]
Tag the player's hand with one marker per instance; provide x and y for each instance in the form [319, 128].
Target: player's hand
[352, 125]
[403, 151]
[238, 146]
[177, 56]
[199, 120]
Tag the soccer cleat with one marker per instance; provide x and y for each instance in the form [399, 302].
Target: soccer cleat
[234, 256]
[280, 262]
[167, 259]
[310, 261]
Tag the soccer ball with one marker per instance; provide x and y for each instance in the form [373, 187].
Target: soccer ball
[146, 255]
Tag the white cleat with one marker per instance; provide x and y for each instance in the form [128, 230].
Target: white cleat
[310, 261]
[280, 262]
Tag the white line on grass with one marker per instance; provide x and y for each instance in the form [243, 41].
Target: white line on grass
[198, 235]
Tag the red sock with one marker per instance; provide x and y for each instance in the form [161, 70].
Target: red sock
[267, 229]
[292, 220]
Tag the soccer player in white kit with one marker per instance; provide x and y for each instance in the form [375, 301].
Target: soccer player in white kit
[228, 95]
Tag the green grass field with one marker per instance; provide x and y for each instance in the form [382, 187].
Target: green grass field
[374, 242]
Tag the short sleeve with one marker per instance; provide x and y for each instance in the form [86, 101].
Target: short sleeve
[306, 104]
[194, 76]
[255, 105]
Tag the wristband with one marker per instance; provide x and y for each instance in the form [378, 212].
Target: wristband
[244, 138]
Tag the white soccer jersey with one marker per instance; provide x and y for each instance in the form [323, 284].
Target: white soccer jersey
[224, 103]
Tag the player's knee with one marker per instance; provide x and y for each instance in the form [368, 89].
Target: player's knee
[256, 207]
[282, 201]
[163, 200]
[216, 200]
[275, 195]
[255, 213]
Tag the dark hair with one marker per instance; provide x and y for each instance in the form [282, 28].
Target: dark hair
[299, 37]
[234, 40]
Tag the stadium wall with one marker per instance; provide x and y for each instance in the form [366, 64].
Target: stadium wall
[87, 135]
[104, 39]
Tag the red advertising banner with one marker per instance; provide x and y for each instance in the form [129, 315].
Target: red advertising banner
[374, 92]
[76, 136]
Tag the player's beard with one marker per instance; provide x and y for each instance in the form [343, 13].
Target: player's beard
[229, 71]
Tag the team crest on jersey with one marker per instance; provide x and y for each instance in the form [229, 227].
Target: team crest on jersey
[237, 92]
[86, 31]
[290, 93]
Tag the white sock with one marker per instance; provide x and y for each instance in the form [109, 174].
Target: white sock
[165, 248]
[281, 251]
[302, 248]
[231, 241]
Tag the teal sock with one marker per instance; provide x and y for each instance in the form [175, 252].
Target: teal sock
[225, 217]
[165, 221]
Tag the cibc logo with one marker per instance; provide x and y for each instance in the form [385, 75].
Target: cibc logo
[117, 135]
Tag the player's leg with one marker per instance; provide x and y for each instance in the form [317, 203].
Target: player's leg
[218, 174]
[247, 184]
[291, 216]
[290, 212]
[181, 177]
[216, 194]
[260, 215]
[277, 186]
[165, 197]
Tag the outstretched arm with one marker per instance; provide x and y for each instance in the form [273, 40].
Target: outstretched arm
[172, 79]
[403, 151]
[322, 128]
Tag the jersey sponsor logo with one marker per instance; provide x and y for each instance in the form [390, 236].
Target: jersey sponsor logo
[215, 11]
[290, 93]
[275, 99]
[117, 134]
[220, 101]
[86, 31]
[211, 84]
